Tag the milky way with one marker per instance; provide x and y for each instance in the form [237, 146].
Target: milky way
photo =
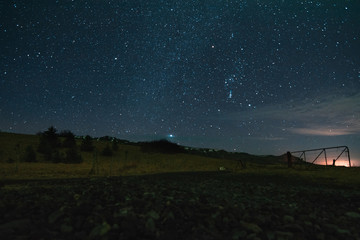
[254, 76]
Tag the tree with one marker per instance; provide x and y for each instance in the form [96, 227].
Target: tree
[69, 141]
[49, 141]
[115, 145]
[162, 146]
[73, 156]
[56, 157]
[30, 155]
[107, 151]
[87, 144]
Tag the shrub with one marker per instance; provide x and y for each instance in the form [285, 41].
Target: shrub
[73, 156]
[87, 144]
[49, 141]
[69, 141]
[54, 156]
[30, 155]
[115, 145]
[107, 151]
[163, 146]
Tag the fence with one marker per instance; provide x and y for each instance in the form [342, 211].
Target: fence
[323, 151]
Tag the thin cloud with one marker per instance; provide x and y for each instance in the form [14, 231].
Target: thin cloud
[328, 115]
[322, 131]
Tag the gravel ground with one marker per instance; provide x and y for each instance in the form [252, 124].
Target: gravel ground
[202, 205]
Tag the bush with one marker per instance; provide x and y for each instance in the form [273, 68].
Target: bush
[115, 146]
[162, 146]
[55, 156]
[69, 141]
[87, 144]
[49, 141]
[107, 151]
[30, 154]
[73, 156]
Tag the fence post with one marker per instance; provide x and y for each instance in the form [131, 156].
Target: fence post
[288, 154]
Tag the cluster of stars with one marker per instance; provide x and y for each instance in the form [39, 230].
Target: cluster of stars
[157, 67]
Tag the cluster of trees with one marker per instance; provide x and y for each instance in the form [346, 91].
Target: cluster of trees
[57, 151]
[62, 147]
[87, 145]
[162, 146]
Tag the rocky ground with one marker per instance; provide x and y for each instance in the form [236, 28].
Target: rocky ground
[203, 205]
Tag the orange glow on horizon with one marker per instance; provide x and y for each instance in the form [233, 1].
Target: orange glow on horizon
[320, 157]
[340, 162]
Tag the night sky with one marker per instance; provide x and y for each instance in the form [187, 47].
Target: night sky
[256, 76]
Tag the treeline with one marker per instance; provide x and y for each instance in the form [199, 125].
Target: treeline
[55, 150]
[62, 147]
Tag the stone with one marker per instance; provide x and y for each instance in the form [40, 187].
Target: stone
[294, 228]
[150, 225]
[251, 227]
[352, 214]
[100, 230]
[17, 225]
[65, 228]
[343, 231]
[252, 236]
[284, 235]
[239, 235]
[55, 216]
[288, 219]
[153, 215]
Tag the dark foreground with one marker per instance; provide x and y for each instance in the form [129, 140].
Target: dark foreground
[179, 206]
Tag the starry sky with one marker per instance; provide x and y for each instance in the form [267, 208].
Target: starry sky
[256, 76]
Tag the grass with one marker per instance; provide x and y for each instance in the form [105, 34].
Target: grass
[130, 160]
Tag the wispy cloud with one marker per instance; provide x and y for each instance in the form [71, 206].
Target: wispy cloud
[331, 116]
[317, 131]
[327, 115]
[270, 138]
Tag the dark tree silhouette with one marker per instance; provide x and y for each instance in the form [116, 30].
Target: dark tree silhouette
[87, 144]
[49, 143]
[30, 154]
[55, 157]
[73, 156]
[69, 141]
[107, 151]
[163, 146]
[115, 145]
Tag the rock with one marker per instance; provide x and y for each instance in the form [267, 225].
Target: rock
[308, 223]
[252, 236]
[343, 231]
[251, 227]
[55, 216]
[284, 235]
[239, 235]
[288, 219]
[320, 236]
[65, 228]
[20, 225]
[352, 214]
[100, 230]
[153, 215]
[150, 225]
[294, 228]
[123, 212]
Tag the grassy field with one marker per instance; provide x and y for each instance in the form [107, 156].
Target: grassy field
[127, 160]
[130, 160]
[141, 195]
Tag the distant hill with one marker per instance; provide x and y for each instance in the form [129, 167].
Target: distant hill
[9, 142]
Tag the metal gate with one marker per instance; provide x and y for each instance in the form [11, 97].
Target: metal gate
[345, 150]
